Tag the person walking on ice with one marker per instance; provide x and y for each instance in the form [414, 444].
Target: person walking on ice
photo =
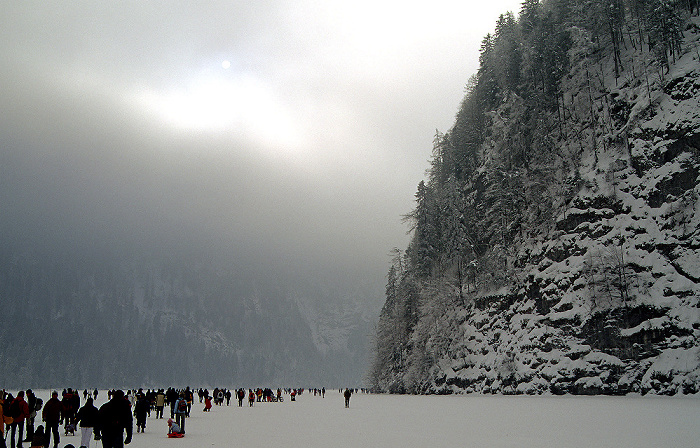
[52, 415]
[347, 394]
[181, 412]
[115, 418]
[88, 417]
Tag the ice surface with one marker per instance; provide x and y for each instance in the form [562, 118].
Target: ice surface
[433, 421]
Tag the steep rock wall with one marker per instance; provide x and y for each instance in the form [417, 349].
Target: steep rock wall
[609, 301]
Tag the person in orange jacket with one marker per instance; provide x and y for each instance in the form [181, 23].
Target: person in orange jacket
[4, 419]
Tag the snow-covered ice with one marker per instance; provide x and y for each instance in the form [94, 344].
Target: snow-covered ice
[433, 421]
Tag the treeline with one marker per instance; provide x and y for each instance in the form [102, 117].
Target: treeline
[511, 160]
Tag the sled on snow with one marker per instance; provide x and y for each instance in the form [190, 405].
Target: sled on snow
[176, 435]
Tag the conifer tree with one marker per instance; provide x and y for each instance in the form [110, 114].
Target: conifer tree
[487, 90]
[664, 27]
[506, 55]
[422, 248]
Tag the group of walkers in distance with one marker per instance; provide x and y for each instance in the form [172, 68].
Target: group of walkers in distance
[112, 423]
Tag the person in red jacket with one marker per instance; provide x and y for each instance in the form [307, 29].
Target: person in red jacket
[52, 414]
[20, 411]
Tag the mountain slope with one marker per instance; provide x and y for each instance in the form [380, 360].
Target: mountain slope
[590, 280]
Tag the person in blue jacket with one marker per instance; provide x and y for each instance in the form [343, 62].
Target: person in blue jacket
[181, 412]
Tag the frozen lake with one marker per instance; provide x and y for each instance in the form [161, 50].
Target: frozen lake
[434, 421]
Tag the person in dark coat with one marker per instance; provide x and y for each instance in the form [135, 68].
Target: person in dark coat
[52, 415]
[241, 396]
[142, 409]
[88, 417]
[68, 409]
[32, 403]
[347, 394]
[171, 397]
[114, 419]
[38, 439]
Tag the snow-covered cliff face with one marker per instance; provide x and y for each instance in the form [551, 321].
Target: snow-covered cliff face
[608, 301]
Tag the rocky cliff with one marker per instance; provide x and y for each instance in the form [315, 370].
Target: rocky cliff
[606, 299]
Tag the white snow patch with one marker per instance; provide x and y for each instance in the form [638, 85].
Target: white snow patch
[426, 421]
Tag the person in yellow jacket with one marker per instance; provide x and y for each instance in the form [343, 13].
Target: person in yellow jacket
[160, 403]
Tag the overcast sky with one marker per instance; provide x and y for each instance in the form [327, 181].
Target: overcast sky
[291, 130]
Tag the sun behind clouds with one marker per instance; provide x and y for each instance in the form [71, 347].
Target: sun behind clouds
[240, 105]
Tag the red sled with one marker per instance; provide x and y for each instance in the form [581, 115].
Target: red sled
[176, 435]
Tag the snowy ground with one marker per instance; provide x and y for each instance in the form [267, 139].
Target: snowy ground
[434, 421]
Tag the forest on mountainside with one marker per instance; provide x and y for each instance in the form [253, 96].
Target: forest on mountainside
[548, 208]
[104, 322]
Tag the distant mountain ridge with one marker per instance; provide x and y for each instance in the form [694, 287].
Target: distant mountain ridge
[556, 243]
[155, 323]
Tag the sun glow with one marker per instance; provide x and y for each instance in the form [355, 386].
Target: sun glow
[241, 106]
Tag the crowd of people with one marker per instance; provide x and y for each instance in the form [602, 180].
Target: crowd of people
[108, 423]
[112, 423]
